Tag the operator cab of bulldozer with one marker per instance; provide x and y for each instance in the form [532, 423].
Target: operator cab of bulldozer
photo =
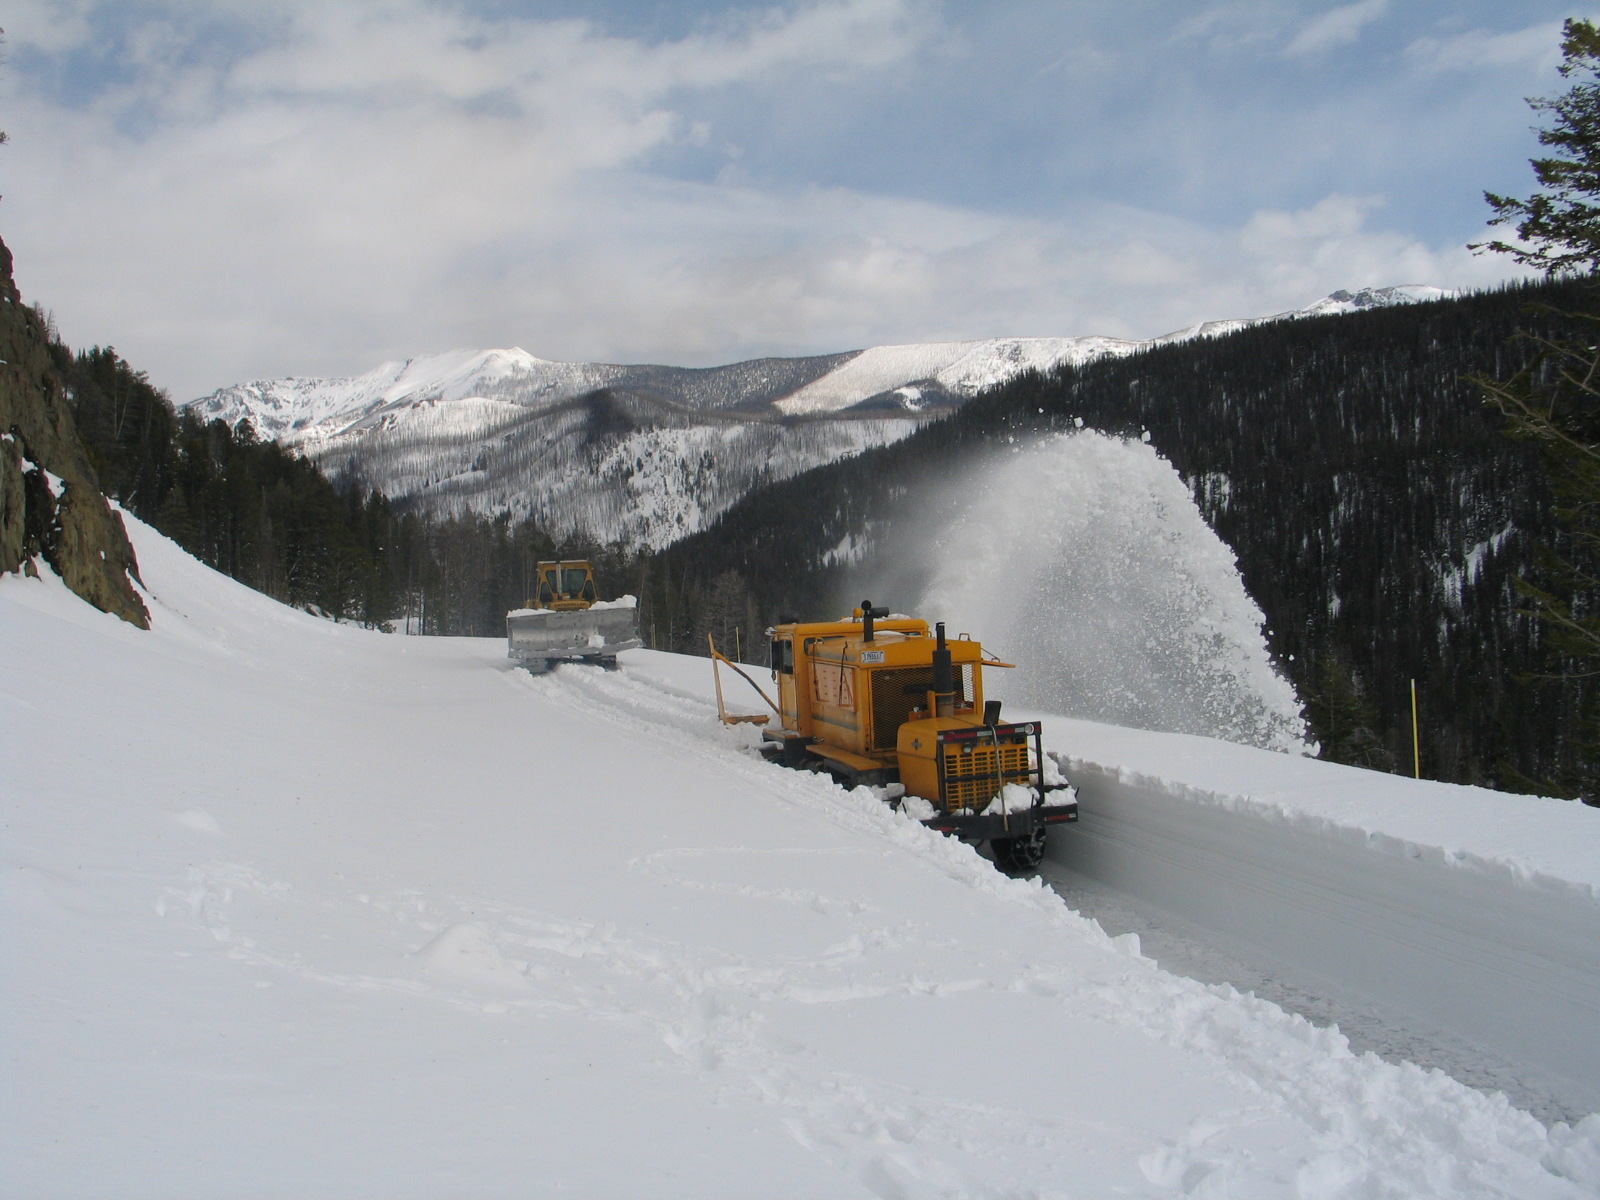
[565, 586]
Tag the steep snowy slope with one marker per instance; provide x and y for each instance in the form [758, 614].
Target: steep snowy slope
[915, 377]
[502, 431]
[296, 909]
[944, 373]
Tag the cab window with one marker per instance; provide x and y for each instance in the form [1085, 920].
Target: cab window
[783, 656]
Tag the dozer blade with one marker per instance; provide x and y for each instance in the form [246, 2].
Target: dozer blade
[592, 633]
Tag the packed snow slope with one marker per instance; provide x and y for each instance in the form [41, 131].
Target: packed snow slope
[645, 454]
[295, 909]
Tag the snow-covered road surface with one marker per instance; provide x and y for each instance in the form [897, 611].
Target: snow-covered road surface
[1186, 947]
[289, 909]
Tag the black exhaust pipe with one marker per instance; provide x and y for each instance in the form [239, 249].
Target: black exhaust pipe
[944, 679]
[868, 614]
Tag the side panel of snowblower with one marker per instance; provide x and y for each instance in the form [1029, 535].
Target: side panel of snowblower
[876, 700]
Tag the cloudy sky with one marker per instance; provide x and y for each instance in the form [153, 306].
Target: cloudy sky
[253, 188]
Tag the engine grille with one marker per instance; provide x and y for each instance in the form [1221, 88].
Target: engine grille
[975, 771]
[896, 692]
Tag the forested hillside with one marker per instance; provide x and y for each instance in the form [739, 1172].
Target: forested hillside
[1378, 512]
[271, 519]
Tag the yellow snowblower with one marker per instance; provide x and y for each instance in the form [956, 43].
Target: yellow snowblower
[875, 699]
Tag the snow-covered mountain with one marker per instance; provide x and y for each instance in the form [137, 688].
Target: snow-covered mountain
[646, 454]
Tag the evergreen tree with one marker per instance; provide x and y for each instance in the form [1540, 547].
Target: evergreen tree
[1560, 225]
[1345, 719]
[127, 425]
[1553, 403]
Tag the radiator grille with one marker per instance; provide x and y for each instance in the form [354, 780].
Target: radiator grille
[896, 692]
[975, 771]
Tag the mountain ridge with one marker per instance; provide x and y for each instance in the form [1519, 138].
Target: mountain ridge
[297, 408]
[646, 454]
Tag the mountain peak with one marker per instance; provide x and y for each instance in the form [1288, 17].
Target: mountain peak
[1344, 301]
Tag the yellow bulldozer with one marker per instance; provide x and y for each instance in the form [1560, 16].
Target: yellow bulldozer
[875, 699]
[565, 622]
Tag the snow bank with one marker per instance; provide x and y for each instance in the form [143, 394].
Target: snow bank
[1475, 911]
[1530, 839]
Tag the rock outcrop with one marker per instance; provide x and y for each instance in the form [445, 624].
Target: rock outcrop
[51, 506]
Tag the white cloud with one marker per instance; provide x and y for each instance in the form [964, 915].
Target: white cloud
[53, 26]
[1336, 27]
[1537, 46]
[339, 189]
[1113, 270]
[365, 182]
[625, 267]
[1236, 24]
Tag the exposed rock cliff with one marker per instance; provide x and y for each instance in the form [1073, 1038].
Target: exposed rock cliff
[51, 506]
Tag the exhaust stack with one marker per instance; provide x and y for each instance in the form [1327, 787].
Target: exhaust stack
[944, 681]
[868, 616]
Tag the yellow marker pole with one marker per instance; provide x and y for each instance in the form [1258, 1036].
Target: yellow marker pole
[1416, 740]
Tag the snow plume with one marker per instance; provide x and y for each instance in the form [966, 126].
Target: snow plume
[1083, 558]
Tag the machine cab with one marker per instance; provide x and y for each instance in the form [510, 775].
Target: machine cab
[564, 586]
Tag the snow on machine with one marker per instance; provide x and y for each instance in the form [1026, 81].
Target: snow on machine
[878, 700]
[564, 622]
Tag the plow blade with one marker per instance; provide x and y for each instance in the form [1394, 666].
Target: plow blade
[539, 639]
